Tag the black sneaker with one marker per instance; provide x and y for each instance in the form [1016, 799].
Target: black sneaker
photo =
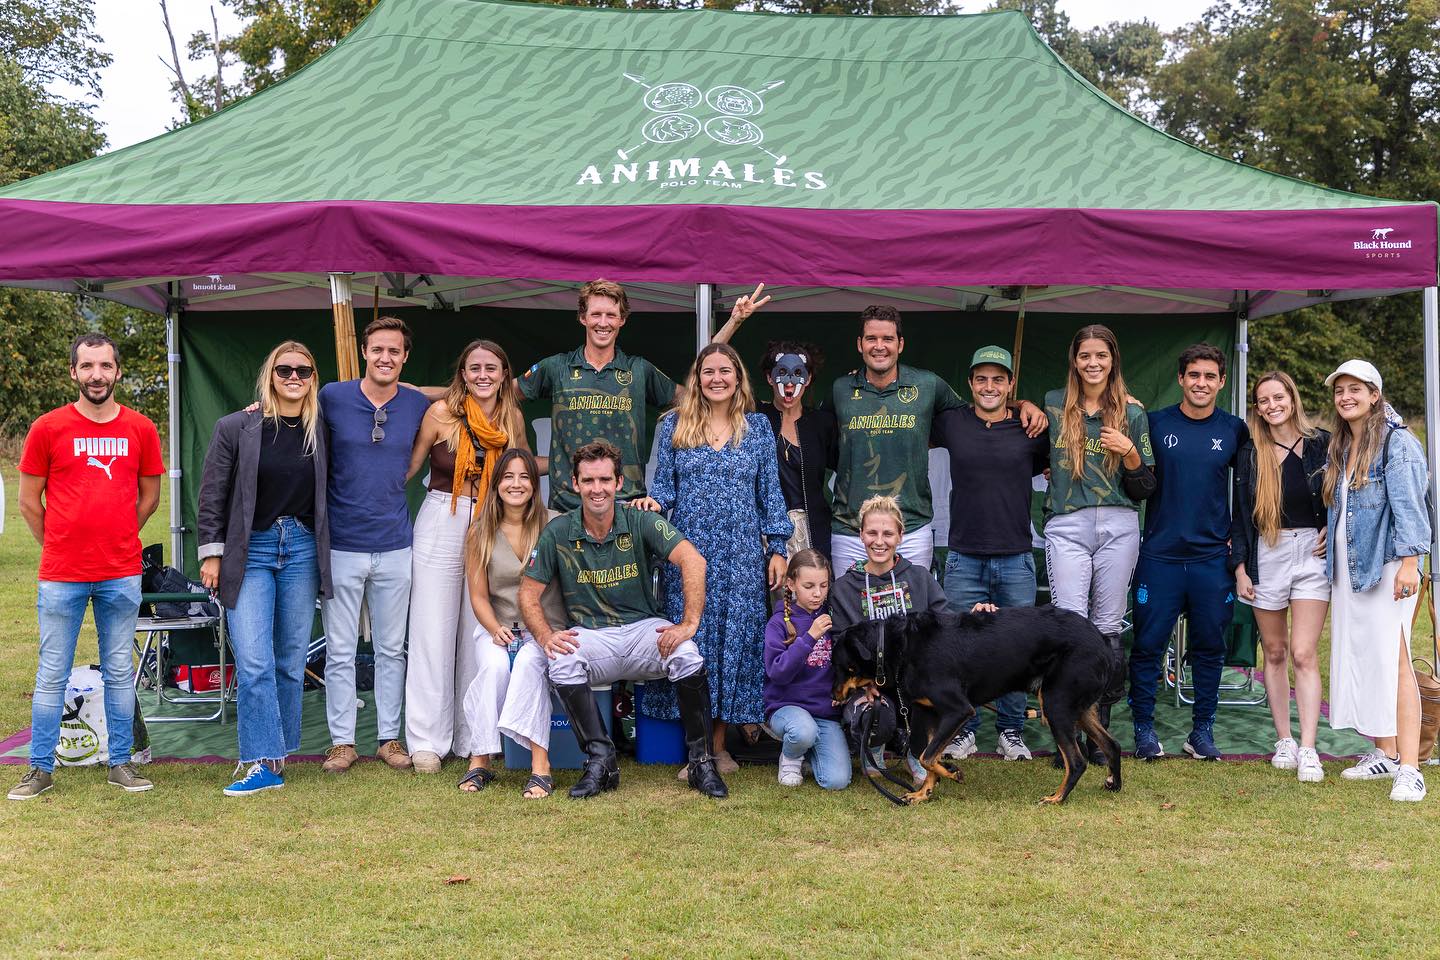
[1201, 743]
[1147, 745]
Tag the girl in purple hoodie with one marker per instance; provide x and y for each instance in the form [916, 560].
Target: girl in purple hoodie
[799, 681]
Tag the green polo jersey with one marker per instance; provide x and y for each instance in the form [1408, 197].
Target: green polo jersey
[589, 404]
[885, 443]
[1096, 486]
[609, 582]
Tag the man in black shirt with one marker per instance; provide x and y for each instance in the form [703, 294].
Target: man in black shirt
[992, 463]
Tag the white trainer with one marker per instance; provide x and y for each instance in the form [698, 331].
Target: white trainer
[961, 747]
[1012, 746]
[1287, 754]
[790, 771]
[1409, 785]
[1308, 766]
[1372, 766]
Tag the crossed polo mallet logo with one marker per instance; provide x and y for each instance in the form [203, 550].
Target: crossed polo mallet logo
[672, 102]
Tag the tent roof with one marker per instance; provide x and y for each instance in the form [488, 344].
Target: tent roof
[476, 141]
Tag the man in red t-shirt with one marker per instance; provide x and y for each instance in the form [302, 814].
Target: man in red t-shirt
[89, 479]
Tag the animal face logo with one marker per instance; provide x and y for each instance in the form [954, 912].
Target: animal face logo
[676, 102]
[624, 542]
[95, 462]
[1381, 233]
[624, 377]
[908, 394]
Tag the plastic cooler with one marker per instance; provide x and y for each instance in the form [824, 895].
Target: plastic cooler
[564, 751]
[656, 740]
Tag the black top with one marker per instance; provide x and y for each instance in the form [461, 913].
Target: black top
[792, 482]
[819, 439]
[285, 481]
[1244, 537]
[1297, 507]
[991, 466]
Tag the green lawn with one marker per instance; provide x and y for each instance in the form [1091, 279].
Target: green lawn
[1190, 860]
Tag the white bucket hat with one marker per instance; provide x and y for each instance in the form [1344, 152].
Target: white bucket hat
[1360, 370]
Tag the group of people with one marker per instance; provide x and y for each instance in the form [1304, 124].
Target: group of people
[768, 527]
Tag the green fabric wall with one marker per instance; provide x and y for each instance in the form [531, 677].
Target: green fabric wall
[222, 353]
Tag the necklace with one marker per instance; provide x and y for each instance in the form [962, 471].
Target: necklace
[290, 421]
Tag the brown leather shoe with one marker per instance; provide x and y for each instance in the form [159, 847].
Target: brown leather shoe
[340, 758]
[393, 754]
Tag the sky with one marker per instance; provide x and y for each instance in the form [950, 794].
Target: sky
[137, 103]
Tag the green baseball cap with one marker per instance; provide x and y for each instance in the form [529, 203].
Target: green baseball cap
[993, 354]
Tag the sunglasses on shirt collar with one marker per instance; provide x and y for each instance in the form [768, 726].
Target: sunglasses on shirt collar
[378, 433]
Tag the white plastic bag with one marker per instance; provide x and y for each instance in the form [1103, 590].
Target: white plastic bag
[84, 739]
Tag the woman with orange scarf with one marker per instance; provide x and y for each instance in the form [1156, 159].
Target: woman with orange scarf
[463, 435]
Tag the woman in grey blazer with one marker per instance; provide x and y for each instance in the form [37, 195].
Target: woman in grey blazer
[265, 548]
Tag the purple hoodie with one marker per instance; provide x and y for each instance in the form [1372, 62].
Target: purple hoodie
[800, 674]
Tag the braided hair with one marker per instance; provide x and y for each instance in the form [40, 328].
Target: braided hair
[807, 559]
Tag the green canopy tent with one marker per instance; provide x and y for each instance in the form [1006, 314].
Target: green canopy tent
[472, 161]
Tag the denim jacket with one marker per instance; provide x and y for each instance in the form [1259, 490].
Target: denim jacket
[1385, 519]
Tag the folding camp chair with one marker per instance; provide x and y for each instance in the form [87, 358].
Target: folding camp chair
[1242, 639]
[157, 641]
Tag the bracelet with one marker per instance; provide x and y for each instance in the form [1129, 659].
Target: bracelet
[1132, 449]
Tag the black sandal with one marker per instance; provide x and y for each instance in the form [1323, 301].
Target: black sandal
[480, 776]
[541, 781]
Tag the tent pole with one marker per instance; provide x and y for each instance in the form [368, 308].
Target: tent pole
[172, 363]
[1432, 414]
[347, 361]
[704, 316]
[1241, 388]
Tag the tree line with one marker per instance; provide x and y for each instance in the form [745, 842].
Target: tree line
[1343, 93]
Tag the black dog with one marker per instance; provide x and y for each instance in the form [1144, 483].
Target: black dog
[941, 666]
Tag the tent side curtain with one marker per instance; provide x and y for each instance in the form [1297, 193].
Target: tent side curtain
[222, 352]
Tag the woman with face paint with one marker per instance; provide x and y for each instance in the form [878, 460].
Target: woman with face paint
[805, 440]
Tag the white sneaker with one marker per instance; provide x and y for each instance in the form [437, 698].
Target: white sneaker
[1372, 766]
[1012, 746]
[1286, 754]
[1308, 764]
[790, 775]
[1409, 785]
[961, 747]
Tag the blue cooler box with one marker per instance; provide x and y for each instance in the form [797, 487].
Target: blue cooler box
[657, 741]
[564, 751]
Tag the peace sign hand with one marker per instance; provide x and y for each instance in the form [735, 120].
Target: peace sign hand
[744, 306]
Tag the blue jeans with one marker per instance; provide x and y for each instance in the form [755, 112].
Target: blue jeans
[61, 607]
[1203, 590]
[1006, 581]
[270, 628]
[822, 741]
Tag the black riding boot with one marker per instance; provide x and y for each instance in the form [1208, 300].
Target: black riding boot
[693, 696]
[600, 773]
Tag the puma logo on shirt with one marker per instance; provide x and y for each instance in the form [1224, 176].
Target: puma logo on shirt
[93, 462]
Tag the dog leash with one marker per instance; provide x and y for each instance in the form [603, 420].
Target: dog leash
[867, 724]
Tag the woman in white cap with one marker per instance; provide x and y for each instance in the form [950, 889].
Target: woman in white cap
[1378, 530]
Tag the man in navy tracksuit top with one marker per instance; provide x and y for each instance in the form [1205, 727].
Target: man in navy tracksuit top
[1183, 565]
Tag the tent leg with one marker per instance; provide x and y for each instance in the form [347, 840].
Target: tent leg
[704, 316]
[172, 358]
[1240, 389]
[1432, 413]
[347, 361]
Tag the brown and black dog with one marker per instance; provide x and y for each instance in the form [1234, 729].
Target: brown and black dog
[942, 666]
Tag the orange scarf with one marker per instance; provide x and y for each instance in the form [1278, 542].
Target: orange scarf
[469, 468]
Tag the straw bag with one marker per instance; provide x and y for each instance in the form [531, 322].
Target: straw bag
[1429, 683]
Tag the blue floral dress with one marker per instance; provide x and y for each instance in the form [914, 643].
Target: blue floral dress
[723, 501]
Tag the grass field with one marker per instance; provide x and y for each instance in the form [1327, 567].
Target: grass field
[1190, 860]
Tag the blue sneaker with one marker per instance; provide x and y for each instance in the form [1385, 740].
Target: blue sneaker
[1147, 745]
[259, 777]
[1201, 743]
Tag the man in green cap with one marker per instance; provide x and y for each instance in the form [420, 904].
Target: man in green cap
[992, 466]
[885, 411]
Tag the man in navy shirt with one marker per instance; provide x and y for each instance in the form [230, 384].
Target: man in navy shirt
[372, 423]
[990, 560]
[1183, 565]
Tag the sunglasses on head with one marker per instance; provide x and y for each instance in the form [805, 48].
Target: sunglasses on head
[284, 371]
[378, 433]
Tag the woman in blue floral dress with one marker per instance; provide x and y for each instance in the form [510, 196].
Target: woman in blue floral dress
[718, 478]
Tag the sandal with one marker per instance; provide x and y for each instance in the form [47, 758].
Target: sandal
[479, 776]
[538, 781]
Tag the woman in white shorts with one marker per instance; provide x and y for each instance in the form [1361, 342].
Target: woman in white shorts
[1277, 543]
